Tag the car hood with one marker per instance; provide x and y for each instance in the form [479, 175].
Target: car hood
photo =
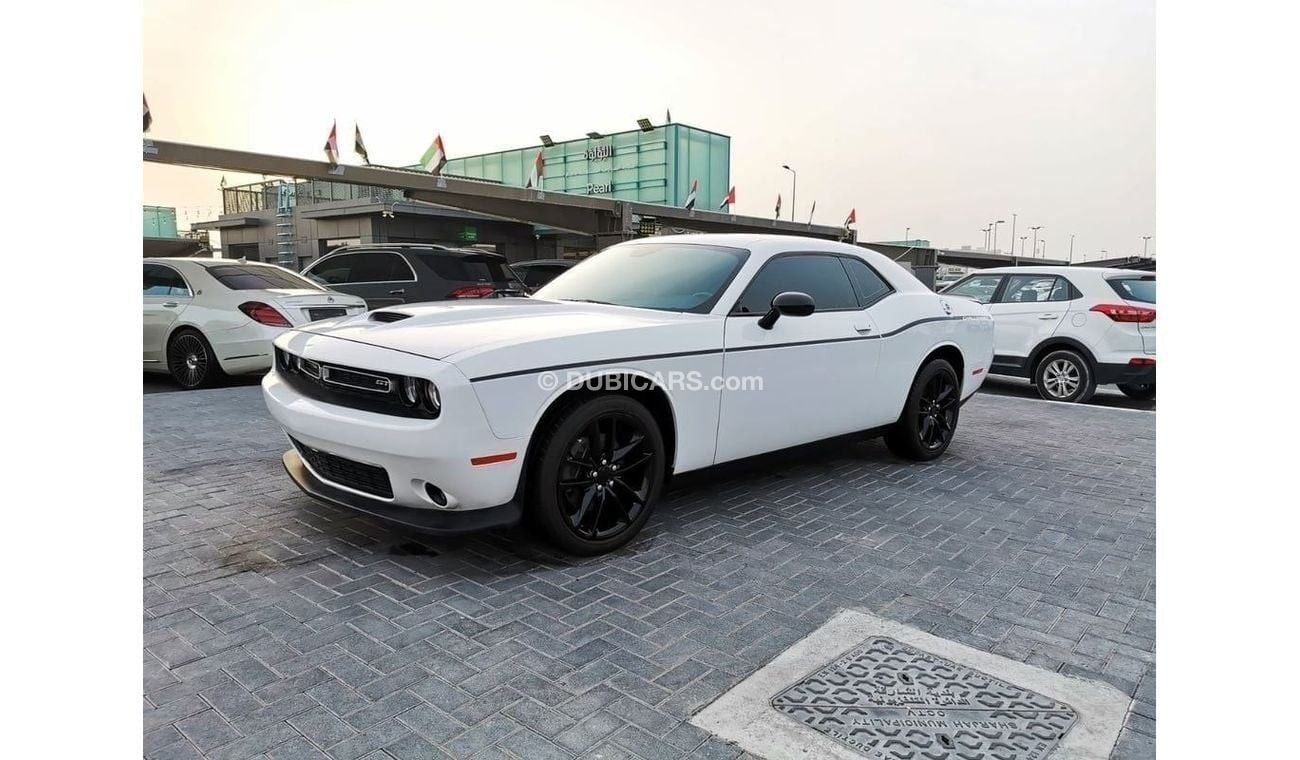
[459, 331]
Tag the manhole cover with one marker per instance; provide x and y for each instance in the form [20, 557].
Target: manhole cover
[893, 702]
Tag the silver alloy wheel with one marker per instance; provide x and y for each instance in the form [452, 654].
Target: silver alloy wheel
[1062, 378]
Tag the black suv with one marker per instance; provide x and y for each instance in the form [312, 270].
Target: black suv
[387, 274]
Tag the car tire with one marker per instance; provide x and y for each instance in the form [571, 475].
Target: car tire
[1139, 391]
[191, 360]
[1065, 375]
[929, 420]
[600, 468]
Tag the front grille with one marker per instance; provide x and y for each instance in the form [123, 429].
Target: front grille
[365, 478]
[352, 387]
[326, 313]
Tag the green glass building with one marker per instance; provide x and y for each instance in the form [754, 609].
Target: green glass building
[653, 166]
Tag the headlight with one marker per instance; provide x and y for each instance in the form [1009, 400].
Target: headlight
[432, 398]
[411, 390]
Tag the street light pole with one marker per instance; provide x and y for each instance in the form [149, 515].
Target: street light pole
[1013, 234]
[1023, 238]
[995, 233]
[1044, 249]
[1036, 229]
[1145, 238]
[1071, 247]
[907, 236]
[794, 185]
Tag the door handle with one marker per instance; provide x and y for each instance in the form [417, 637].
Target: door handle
[170, 305]
[1048, 316]
[398, 292]
[862, 329]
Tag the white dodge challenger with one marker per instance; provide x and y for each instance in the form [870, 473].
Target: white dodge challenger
[654, 357]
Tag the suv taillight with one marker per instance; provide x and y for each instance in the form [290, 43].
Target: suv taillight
[473, 291]
[1125, 313]
[263, 314]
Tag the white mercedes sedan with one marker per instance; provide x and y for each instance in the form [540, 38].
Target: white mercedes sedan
[655, 357]
[204, 318]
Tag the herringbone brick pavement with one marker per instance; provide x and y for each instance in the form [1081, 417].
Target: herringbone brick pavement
[278, 627]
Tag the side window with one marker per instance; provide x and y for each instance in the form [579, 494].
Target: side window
[336, 270]
[822, 277]
[163, 281]
[381, 266]
[981, 287]
[869, 285]
[1032, 288]
[1062, 291]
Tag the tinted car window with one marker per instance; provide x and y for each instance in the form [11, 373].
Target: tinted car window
[370, 266]
[467, 268]
[1023, 288]
[822, 277]
[866, 282]
[244, 277]
[539, 275]
[1141, 289]
[981, 287]
[163, 281]
[668, 276]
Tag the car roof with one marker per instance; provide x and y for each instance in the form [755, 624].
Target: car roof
[546, 262]
[416, 248]
[208, 261]
[1045, 269]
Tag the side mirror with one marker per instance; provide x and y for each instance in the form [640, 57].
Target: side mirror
[790, 303]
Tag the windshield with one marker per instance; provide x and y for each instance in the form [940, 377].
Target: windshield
[666, 276]
[1141, 289]
[248, 277]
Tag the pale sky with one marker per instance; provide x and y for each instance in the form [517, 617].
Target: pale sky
[938, 115]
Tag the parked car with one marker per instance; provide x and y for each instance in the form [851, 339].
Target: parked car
[655, 357]
[207, 317]
[1070, 329]
[388, 274]
[539, 272]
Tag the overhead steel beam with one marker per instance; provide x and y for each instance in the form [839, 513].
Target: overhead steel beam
[590, 215]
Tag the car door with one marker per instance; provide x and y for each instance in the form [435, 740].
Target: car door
[804, 379]
[382, 278]
[1027, 311]
[166, 295]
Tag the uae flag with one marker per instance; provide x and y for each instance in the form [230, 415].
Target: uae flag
[435, 157]
[539, 169]
[359, 146]
[148, 120]
[778, 205]
[332, 145]
[729, 199]
[690, 197]
[852, 218]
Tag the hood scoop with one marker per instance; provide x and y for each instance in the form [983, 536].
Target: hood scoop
[388, 316]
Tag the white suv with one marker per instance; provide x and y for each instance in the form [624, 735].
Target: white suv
[1069, 329]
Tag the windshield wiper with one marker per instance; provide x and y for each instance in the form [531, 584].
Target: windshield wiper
[587, 300]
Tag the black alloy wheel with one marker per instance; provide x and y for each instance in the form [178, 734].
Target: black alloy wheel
[190, 360]
[599, 475]
[929, 418]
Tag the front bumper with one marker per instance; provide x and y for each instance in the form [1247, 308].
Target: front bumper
[432, 521]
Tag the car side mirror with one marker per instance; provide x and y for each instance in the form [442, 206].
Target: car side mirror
[791, 303]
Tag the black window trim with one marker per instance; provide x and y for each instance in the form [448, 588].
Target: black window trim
[891, 290]
[329, 256]
[188, 287]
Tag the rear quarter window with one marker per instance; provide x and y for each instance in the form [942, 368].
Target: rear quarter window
[1141, 289]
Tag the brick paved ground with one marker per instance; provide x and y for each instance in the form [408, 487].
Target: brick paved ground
[276, 626]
